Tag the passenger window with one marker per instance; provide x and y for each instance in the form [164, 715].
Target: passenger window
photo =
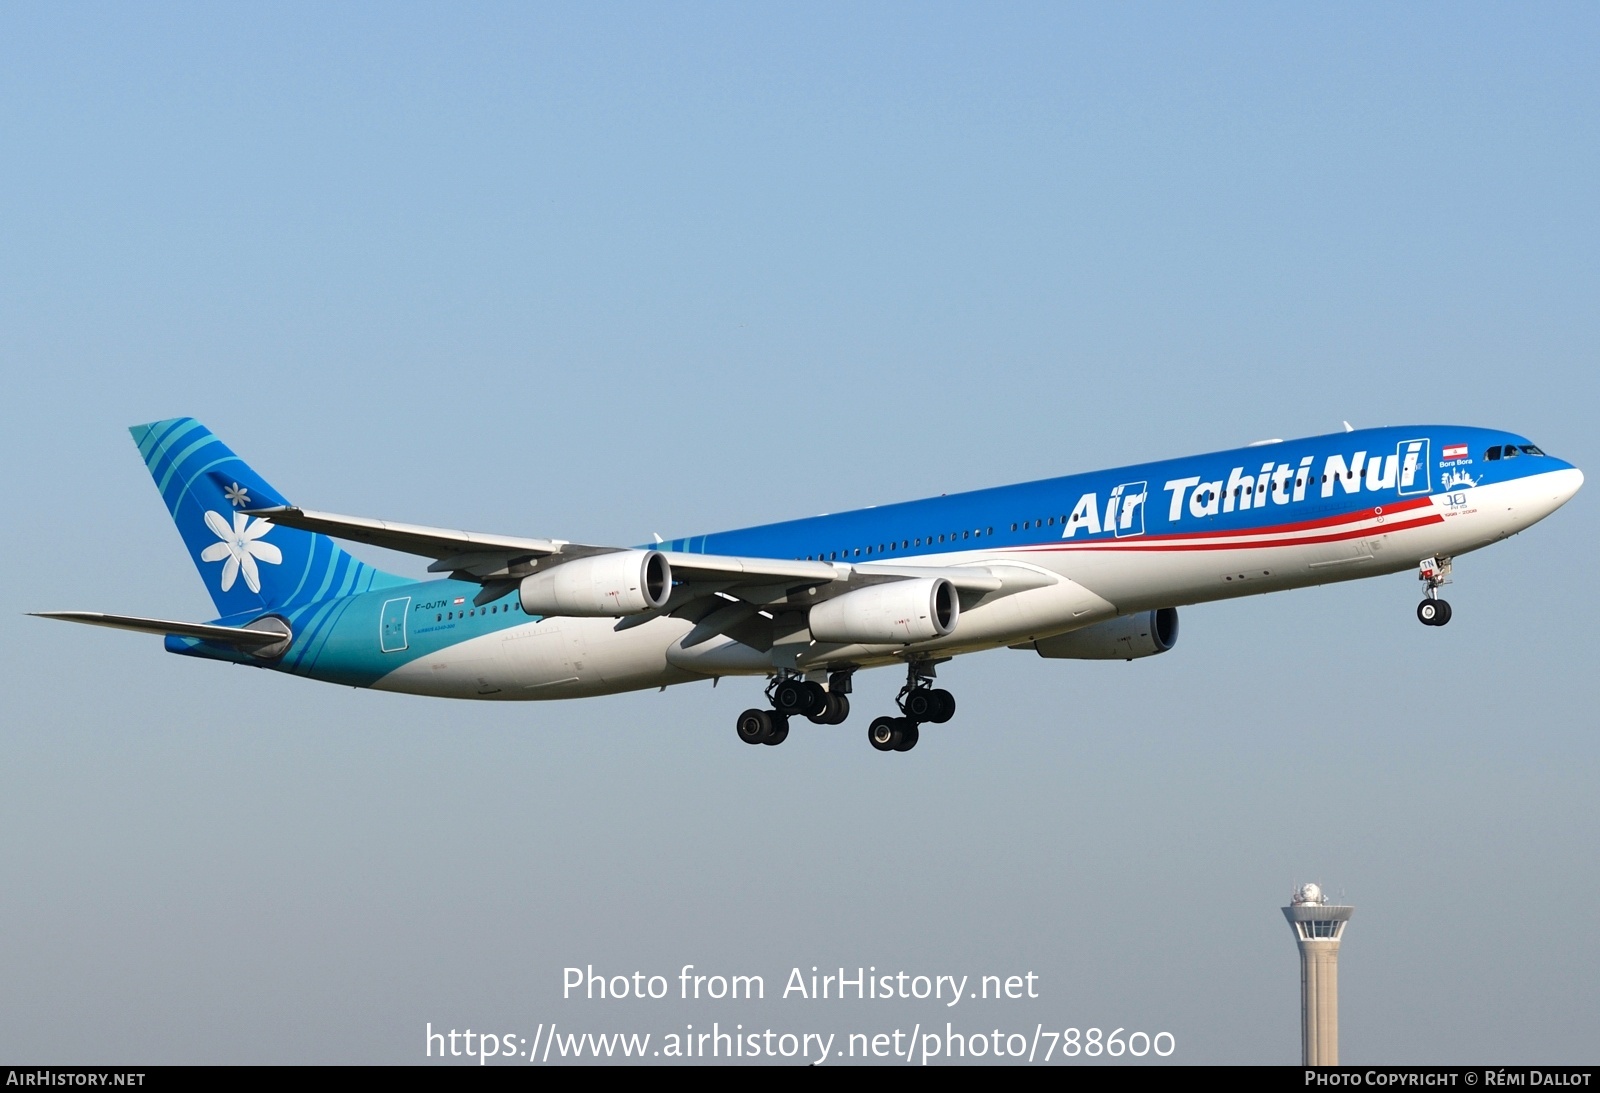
[1051, 521]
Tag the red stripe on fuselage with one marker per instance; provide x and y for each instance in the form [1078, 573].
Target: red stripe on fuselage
[1307, 525]
[1253, 544]
[1191, 541]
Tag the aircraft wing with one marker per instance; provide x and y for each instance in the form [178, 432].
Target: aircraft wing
[477, 556]
[703, 583]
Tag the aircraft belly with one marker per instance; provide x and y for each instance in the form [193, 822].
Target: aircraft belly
[549, 659]
[1021, 616]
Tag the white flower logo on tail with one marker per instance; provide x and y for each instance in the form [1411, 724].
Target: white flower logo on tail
[241, 545]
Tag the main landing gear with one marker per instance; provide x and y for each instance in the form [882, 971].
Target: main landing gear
[1435, 573]
[793, 696]
[920, 703]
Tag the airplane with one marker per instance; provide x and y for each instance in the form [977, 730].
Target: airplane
[1086, 566]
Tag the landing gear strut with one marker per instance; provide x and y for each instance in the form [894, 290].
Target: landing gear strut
[1434, 573]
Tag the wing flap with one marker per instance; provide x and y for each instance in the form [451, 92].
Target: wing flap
[727, 567]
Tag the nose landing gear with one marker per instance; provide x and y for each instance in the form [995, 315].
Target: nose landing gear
[1435, 574]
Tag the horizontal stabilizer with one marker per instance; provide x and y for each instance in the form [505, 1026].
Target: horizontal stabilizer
[243, 636]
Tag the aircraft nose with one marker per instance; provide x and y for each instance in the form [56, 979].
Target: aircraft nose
[1543, 493]
[1563, 485]
[1573, 484]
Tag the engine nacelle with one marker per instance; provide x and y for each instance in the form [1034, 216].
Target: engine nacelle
[626, 582]
[1125, 638]
[897, 612]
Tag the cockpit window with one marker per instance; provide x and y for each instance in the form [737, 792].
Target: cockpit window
[1529, 449]
[1510, 450]
[1492, 453]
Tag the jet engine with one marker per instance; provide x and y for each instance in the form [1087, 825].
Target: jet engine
[898, 612]
[626, 582]
[1124, 638]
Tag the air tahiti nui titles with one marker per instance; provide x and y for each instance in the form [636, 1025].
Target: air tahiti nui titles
[1246, 487]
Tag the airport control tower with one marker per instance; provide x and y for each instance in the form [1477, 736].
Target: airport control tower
[1318, 925]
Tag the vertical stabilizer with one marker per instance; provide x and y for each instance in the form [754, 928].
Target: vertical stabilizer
[249, 564]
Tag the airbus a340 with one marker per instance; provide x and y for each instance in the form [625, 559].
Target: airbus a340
[1087, 566]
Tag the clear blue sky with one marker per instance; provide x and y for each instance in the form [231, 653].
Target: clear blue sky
[597, 272]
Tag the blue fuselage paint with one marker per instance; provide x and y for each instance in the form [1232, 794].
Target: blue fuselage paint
[1187, 504]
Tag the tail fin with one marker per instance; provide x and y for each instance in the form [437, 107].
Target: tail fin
[249, 564]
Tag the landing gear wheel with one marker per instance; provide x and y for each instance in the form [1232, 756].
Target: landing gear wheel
[833, 710]
[755, 726]
[944, 706]
[909, 735]
[921, 705]
[763, 727]
[1433, 612]
[885, 733]
[839, 704]
[793, 697]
